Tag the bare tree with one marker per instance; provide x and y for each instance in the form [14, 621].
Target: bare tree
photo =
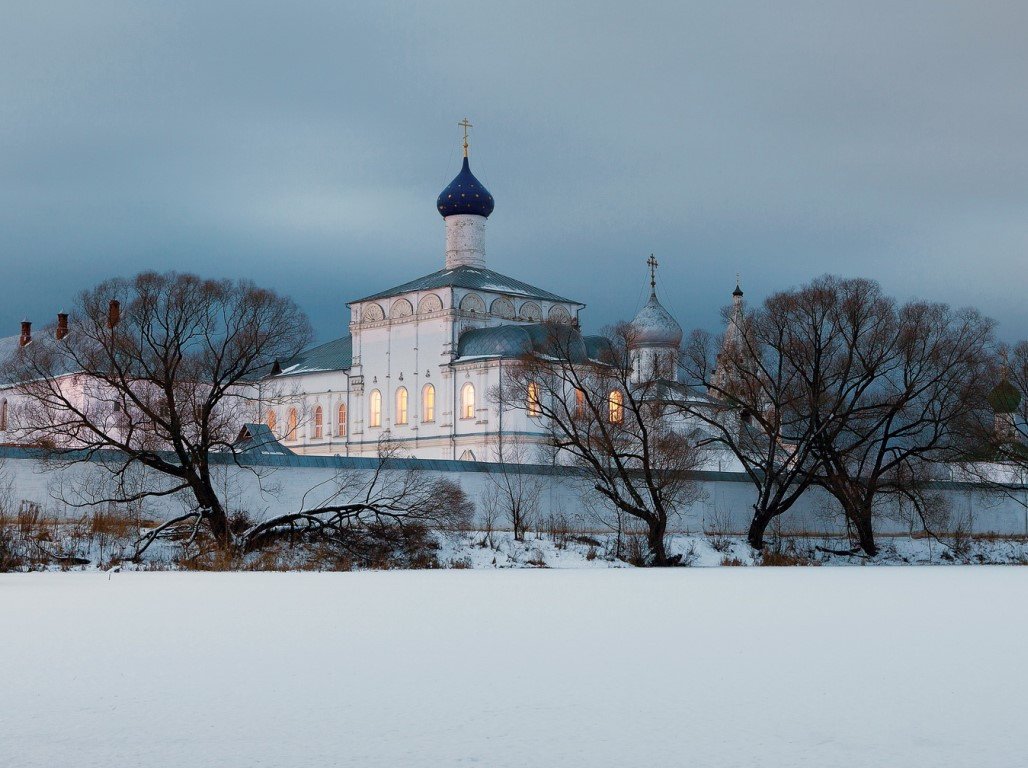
[391, 499]
[887, 389]
[618, 431]
[156, 372]
[834, 384]
[759, 402]
[515, 494]
[997, 435]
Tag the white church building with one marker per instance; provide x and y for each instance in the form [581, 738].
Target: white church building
[421, 358]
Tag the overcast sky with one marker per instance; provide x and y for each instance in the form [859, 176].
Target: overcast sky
[303, 145]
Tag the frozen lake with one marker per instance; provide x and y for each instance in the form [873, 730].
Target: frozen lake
[705, 667]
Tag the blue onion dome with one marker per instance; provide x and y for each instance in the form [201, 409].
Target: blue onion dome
[654, 326]
[465, 194]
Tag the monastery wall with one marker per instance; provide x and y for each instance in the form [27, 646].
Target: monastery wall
[277, 484]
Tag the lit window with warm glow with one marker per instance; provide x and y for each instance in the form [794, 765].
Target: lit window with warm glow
[579, 404]
[291, 423]
[401, 405]
[375, 413]
[534, 407]
[271, 421]
[319, 423]
[617, 407]
[467, 401]
[341, 420]
[428, 403]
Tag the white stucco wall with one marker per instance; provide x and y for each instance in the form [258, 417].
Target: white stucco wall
[465, 241]
[726, 497]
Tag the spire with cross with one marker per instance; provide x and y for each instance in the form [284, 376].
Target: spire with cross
[652, 262]
[465, 124]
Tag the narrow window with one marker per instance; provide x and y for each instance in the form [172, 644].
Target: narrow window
[401, 405]
[467, 401]
[291, 422]
[376, 408]
[617, 407]
[3, 415]
[579, 404]
[319, 422]
[271, 421]
[341, 420]
[534, 407]
[428, 403]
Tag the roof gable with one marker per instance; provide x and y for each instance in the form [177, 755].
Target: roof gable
[472, 278]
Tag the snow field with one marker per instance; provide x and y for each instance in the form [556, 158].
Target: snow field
[700, 667]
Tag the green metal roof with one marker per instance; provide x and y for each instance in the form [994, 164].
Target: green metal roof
[472, 278]
[334, 355]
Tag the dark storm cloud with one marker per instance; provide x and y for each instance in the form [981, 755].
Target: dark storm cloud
[303, 144]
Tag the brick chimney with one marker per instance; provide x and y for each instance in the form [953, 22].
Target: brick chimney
[26, 333]
[113, 313]
[62, 325]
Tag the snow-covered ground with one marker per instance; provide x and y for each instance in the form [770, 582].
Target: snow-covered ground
[574, 667]
[501, 550]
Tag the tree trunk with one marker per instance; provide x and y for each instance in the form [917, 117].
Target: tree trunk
[655, 543]
[861, 520]
[761, 520]
[212, 509]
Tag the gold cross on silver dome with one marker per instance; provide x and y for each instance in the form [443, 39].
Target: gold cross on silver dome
[465, 124]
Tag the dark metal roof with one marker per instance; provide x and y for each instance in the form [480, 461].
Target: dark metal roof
[9, 348]
[513, 341]
[258, 439]
[473, 278]
[334, 355]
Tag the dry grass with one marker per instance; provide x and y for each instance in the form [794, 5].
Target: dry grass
[785, 558]
[35, 539]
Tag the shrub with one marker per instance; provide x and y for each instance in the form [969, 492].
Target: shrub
[785, 558]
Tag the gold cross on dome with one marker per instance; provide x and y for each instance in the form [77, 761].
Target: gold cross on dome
[465, 125]
[652, 262]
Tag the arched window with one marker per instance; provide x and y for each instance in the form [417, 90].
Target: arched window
[319, 422]
[428, 403]
[271, 420]
[341, 420]
[401, 405]
[579, 404]
[533, 404]
[375, 410]
[3, 415]
[291, 423]
[467, 401]
[617, 407]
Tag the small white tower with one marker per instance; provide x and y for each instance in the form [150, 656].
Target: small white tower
[729, 347]
[656, 337]
[465, 205]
